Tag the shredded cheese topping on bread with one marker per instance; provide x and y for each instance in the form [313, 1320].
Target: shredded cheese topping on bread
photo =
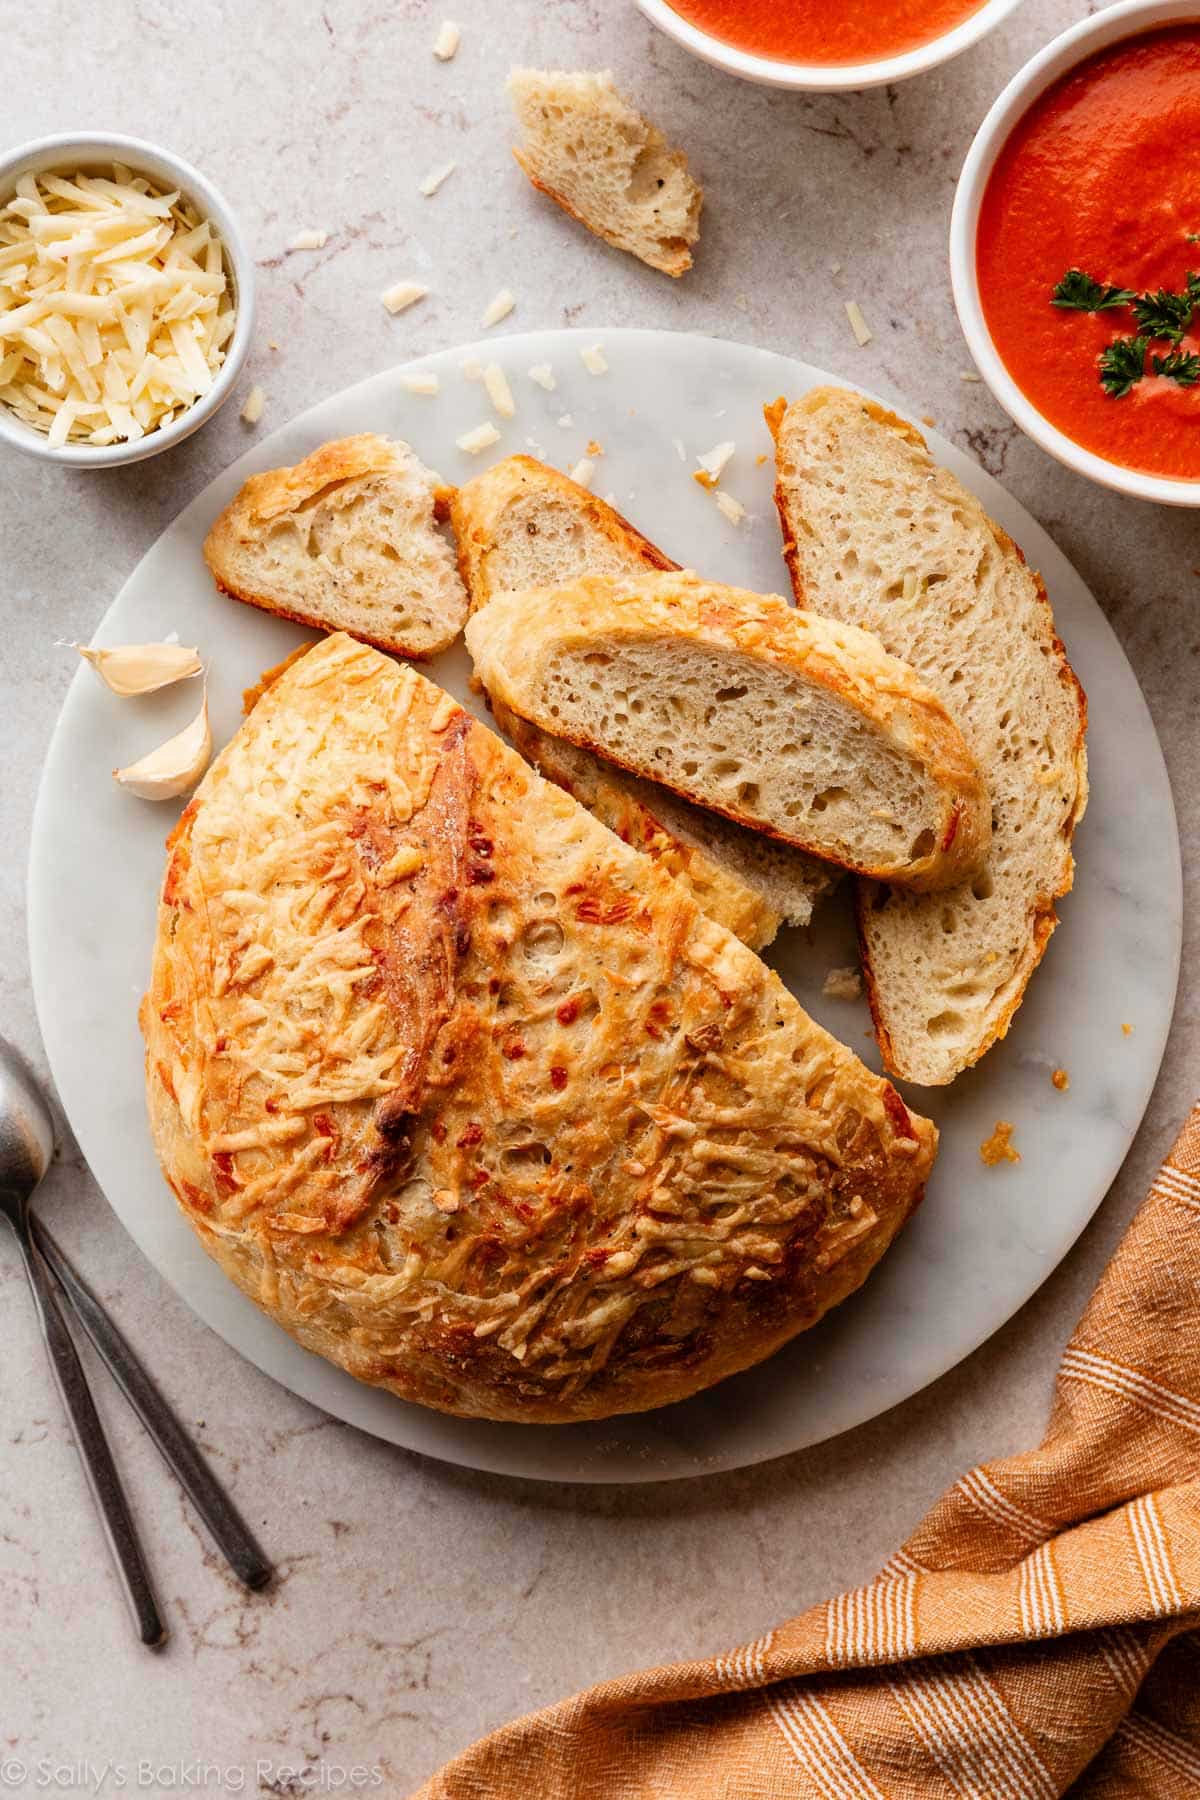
[115, 305]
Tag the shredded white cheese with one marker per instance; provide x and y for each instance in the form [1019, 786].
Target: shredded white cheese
[858, 325]
[420, 381]
[404, 294]
[498, 308]
[715, 461]
[593, 359]
[482, 438]
[309, 240]
[543, 374]
[583, 471]
[498, 390]
[472, 368]
[435, 178]
[115, 306]
[447, 40]
[256, 400]
[729, 508]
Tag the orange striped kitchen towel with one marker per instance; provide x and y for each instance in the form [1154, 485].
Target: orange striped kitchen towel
[1038, 1634]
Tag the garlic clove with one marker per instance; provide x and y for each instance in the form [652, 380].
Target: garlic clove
[175, 766]
[130, 669]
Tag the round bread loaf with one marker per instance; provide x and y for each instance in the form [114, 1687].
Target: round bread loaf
[468, 1095]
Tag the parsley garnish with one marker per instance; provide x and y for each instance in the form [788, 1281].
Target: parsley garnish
[1182, 366]
[1077, 292]
[1123, 364]
[1165, 316]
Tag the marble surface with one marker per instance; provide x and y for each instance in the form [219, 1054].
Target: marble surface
[419, 1605]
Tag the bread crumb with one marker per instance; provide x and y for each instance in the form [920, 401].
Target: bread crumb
[404, 294]
[1128, 1030]
[741, 302]
[583, 471]
[252, 412]
[498, 308]
[677, 446]
[472, 368]
[543, 374]
[835, 268]
[435, 178]
[446, 43]
[593, 448]
[309, 240]
[498, 390]
[594, 360]
[729, 508]
[969, 375]
[928, 419]
[566, 422]
[999, 1147]
[482, 438]
[271, 344]
[1061, 1080]
[421, 381]
[760, 460]
[842, 984]
[858, 325]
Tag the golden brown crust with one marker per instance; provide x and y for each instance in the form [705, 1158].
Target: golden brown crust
[469, 1096]
[675, 264]
[515, 639]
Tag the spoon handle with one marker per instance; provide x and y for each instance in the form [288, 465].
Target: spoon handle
[230, 1532]
[98, 1464]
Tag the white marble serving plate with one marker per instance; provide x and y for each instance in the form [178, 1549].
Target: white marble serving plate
[984, 1238]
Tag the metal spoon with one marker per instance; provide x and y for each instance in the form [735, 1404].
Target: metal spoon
[26, 1143]
[26, 1146]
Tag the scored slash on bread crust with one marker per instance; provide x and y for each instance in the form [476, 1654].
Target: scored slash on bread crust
[876, 534]
[607, 166]
[346, 540]
[799, 727]
[523, 524]
[469, 1096]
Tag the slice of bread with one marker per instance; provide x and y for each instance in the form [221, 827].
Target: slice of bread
[878, 536]
[346, 541]
[606, 165]
[802, 728]
[522, 524]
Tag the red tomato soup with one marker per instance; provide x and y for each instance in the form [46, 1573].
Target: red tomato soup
[826, 31]
[1102, 176]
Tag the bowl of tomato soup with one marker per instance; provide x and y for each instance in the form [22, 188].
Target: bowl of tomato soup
[826, 44]
[1075, 249]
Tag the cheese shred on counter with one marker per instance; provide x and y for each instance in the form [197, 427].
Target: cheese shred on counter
[115, 306]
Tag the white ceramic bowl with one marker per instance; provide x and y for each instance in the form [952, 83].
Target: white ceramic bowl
[1073, 47]
[827, 77]
[89, 149]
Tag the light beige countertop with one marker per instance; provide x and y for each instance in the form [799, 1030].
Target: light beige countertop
[420, 1605]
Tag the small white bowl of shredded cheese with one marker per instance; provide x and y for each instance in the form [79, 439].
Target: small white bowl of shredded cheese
[126, 299]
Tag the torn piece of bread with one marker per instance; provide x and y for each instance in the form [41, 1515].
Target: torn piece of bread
[522, 524]
[877, 535]
[804, 729]
[606, 165]
[346, 541]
